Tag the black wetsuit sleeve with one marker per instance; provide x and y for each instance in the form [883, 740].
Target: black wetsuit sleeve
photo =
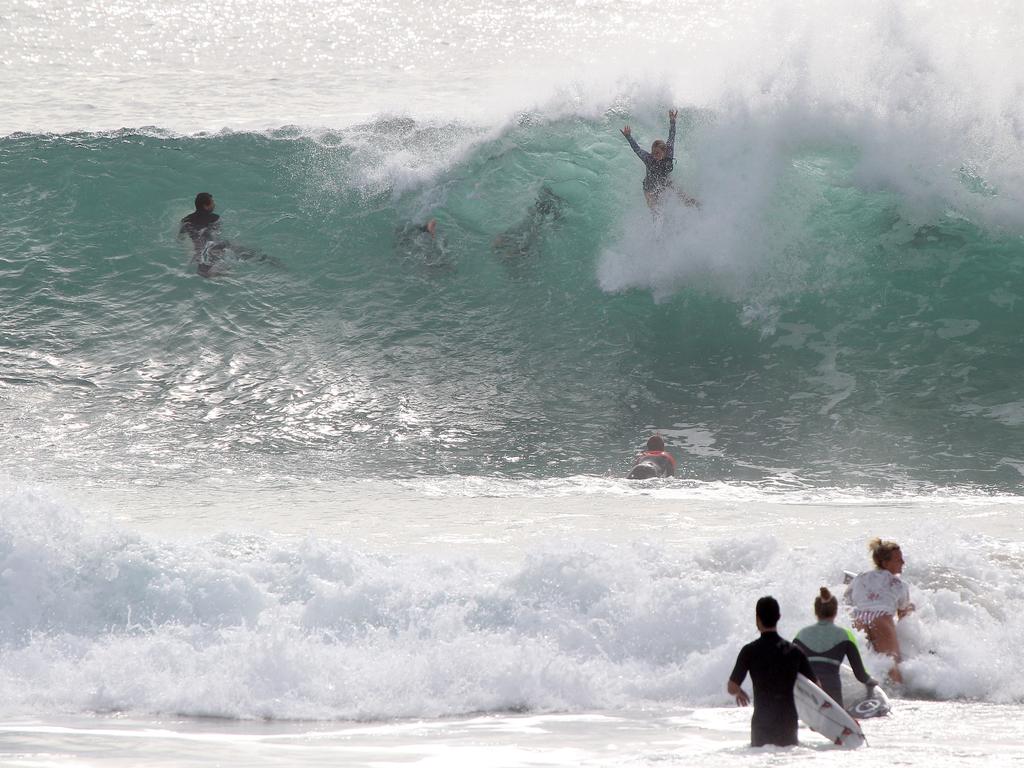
[641, 153]
[671, 140]
[805, 668]
[739, 672]
[856, 663]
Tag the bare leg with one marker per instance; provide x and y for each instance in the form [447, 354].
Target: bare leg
[882, 636]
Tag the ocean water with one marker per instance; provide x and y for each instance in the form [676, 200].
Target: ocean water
[360, 501]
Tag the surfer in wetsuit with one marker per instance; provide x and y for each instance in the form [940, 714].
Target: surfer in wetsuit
[659, 163]
[773, 664]
[826, 645]
[422, 243]
[655, 454]
[525, 237]
[202, 226]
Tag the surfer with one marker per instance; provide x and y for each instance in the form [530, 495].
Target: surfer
[879, 597]
[421, 242]
[202, 226]
[826, 645]
[773, 664]
[655, 461]
[659, 163]
[523, 238]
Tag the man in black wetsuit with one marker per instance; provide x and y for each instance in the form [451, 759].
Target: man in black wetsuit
[202, 227]
[773, 664]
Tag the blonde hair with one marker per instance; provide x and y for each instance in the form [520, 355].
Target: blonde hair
[659, 144]
[826, 606]
[881, 550]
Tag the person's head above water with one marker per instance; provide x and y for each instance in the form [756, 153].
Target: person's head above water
[204, 202]
[767, 612]
[887, 555]
[659, 150]
[655, 443]
[825, 605]
[430, 226]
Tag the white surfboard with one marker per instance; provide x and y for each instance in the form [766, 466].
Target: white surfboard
[822, 714]
[860, 701]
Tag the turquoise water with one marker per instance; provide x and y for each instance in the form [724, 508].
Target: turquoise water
[825, 327]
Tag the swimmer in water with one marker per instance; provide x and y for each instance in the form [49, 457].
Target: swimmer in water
[654, 455]
[525, 237]
[202, 226]
[659, 163]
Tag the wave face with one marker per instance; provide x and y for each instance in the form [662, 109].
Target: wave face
[813, 316]
[247, 626]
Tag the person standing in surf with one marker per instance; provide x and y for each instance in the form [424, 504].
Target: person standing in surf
[773, 664]
[659, 163]
[825, 645]
[879, 597]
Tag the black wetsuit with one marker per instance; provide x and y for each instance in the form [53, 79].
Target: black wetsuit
[773, 664]
[825, 646]
[201, 226]
[657, 170]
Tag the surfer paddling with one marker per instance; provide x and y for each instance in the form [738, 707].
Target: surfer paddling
[659, 163]
[773, 664]
[879, 597]
[655, 461]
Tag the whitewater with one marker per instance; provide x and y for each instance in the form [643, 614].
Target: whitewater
[362, 502]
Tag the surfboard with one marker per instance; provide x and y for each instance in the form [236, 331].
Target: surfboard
[860, 701]
[822, 714]
[645, 470]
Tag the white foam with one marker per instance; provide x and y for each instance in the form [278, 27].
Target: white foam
[97, 618]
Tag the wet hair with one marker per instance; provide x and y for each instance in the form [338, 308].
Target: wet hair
[203, 199]
[655, 443]
[768, 612]
[881, 550]
[659, 144]
[825, 604]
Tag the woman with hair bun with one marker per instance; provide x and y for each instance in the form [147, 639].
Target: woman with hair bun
[825, 645]
[879, 597]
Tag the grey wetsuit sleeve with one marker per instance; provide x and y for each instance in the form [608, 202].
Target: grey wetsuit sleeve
[671, 139]
[642, 154]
